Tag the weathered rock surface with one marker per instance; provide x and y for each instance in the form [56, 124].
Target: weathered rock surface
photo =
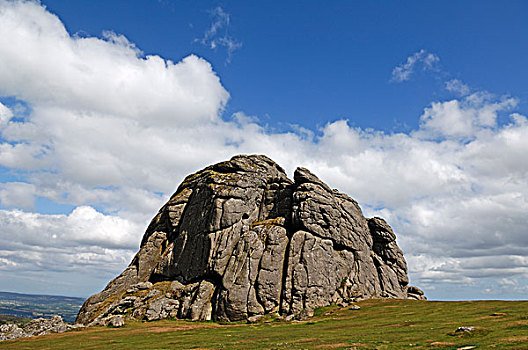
[39, 326]
[239, 239]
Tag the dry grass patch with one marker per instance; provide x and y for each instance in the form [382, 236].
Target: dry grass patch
[441, 343]
[332, 346]
[515, 339]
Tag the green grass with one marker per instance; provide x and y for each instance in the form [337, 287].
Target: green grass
[380, 324]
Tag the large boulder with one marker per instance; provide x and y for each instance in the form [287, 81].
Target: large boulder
[240, 239]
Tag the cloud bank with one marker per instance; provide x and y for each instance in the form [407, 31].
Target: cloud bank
[111, 132]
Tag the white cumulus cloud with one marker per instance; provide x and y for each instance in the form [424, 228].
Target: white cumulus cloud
[465, 117]
[80, 249]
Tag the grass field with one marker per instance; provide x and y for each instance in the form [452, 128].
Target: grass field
[379, 324]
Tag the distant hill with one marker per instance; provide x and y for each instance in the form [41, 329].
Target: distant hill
[34, 305]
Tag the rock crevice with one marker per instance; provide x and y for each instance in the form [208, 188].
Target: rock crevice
[239, 239]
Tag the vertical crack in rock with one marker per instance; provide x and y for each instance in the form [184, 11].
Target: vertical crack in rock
[239, 239]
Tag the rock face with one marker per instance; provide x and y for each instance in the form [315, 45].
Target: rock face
[239, 239]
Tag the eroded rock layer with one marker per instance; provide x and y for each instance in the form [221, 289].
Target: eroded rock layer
[239, 239]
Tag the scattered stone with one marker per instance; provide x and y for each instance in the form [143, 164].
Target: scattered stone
[255, 318]
[354, 307]
[464, 329]
[498, 314]
[415, 293]
[469, 347]
[289, 318]
[117, 321]
[304, 315]
[239, 239]
[11, 331]
[42, 326]
[35, 327]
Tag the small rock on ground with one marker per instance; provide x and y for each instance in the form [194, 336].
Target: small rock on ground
[464, 329]
[117, 321]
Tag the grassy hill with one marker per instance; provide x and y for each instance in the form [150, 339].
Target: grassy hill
[379, 324]
[34, 306]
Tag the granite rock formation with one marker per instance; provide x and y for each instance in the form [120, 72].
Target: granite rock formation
[239, 239]
[39, 326]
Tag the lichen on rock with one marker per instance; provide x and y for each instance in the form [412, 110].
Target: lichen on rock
[239, 239]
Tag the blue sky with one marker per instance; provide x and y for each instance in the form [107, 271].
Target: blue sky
[308, 62]
[415, 109]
